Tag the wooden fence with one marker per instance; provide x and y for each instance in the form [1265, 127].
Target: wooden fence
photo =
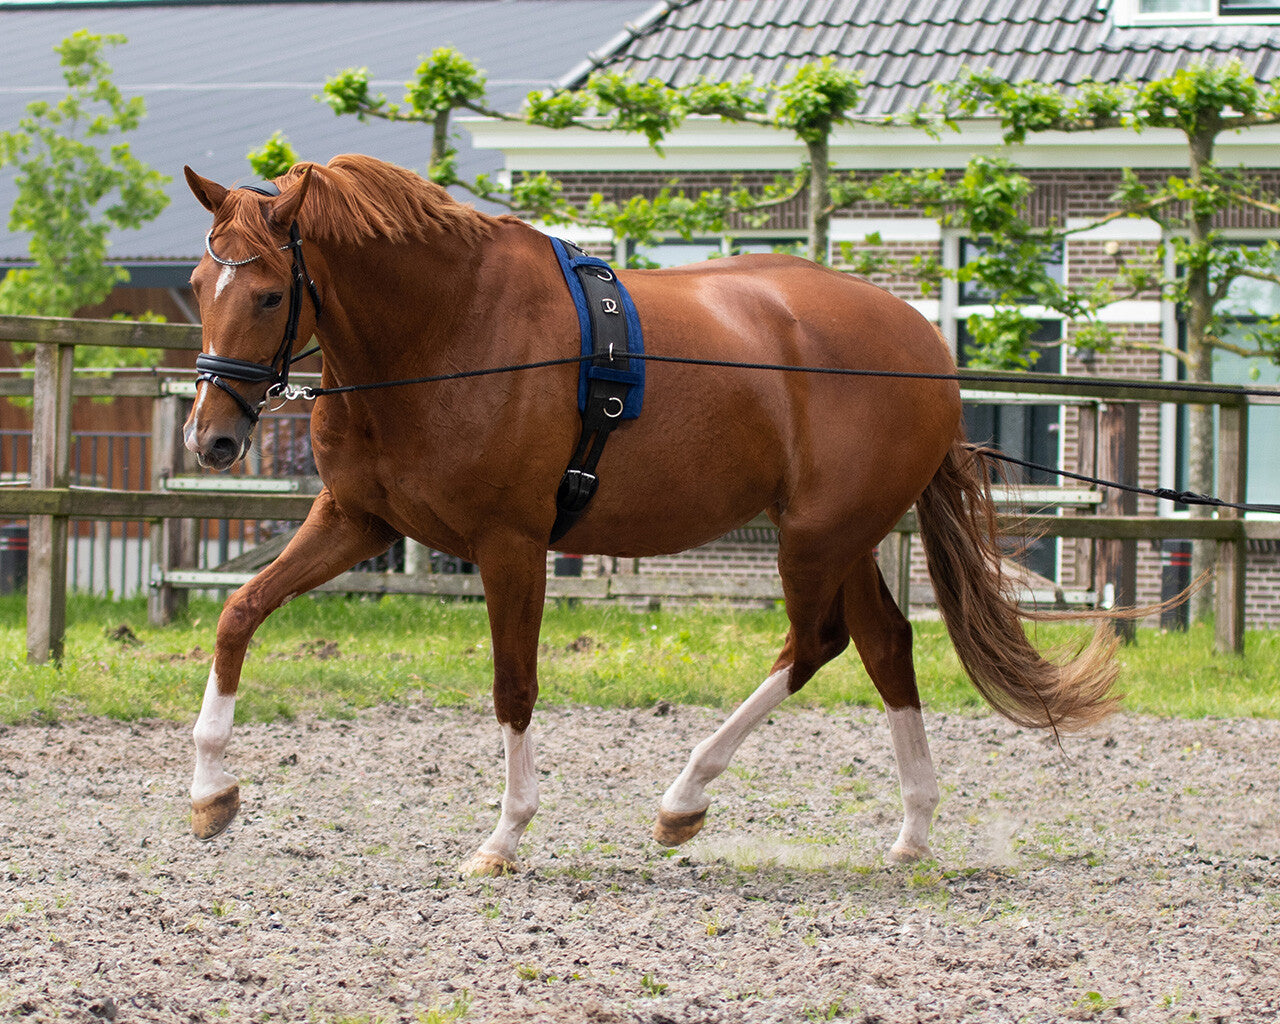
[1108, 411]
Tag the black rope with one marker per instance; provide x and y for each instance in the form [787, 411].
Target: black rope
[1167, 493]
[987, 378]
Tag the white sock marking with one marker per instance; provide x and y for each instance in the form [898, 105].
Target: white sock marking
[225, 278]
[712, 756]
[212, 734]
[917, 778]
[520, 798]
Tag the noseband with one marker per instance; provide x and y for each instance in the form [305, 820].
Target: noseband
[217, 370]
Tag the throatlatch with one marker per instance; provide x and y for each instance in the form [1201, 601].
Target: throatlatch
[610, 385]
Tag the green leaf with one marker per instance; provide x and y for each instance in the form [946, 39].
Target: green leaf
[273, 158]
[76, 180]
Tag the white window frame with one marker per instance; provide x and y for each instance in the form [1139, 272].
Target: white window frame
[1170, 442]
[1129, 13]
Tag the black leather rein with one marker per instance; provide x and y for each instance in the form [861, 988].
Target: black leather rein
[217, 370]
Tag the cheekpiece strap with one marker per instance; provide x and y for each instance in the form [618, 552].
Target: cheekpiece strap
[217, 370]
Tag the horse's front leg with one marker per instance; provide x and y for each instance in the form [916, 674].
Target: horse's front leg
[328, 543]
[514, 573]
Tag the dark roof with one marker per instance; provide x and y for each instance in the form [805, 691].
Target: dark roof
[219, 78]
[903, 46]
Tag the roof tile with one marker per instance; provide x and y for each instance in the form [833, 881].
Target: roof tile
[902, 46]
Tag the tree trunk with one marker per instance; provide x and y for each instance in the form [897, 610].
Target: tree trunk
[1200, 433]
[439, 138]
[819, 198]
[1200, 478]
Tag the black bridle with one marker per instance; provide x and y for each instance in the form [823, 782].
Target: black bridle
[217, 370]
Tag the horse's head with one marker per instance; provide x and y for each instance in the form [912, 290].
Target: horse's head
[250, 285]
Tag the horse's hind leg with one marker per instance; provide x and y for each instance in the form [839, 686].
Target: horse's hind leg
[817, 635]
[882, 635]
[327, 543]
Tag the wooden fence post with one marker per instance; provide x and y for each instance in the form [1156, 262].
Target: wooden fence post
[1086, 465]
[167, 535]
[50, 468]
[895, 566]
[1116, 568]
[1233, 458]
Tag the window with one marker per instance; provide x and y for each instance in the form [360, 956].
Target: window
[1026, 431]
[973, 294]
[676, 252]
[1175, 6]
[1172, 11]
[1249, 302]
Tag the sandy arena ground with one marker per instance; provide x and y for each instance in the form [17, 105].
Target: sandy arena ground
[1133, 875]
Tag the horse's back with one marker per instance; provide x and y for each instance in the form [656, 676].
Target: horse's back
[776, 300]
[718, 442]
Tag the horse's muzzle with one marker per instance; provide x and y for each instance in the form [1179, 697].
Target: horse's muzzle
[218, 451]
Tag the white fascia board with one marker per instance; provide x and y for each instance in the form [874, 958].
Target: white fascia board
[701, 144]
[579, 234]
[1122, 229]
[709, 144]
[930, 309]
[1132, 311]
[890, 229]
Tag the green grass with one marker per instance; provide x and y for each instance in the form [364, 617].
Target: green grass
[334, 655]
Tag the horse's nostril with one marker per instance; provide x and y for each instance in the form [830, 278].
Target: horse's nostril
[224, 449]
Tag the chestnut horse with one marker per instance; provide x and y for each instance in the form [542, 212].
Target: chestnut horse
[409, 283]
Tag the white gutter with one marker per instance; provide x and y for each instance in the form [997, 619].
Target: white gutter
[712, 144]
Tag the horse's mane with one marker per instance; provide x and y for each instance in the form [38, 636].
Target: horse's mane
[354, 198]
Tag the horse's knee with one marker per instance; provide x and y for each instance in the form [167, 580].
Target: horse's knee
[238, 621]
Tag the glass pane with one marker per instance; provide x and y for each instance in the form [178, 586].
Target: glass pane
[1027, 432]
[972, 292]
[1176, 6]
[1250, 298]
[1264, 423]
[1243, 8]
[676, 253]
[791, 246]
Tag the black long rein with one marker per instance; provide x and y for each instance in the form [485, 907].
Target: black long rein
[216, 370]
[1166, 493]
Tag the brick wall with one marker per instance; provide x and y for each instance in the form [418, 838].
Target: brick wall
[1058, 196]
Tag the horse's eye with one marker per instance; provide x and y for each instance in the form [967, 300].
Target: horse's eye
[272, 299]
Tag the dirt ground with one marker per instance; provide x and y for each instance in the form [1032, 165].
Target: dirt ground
[1133, 874]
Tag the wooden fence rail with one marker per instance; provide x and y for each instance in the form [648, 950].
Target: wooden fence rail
[50, 501]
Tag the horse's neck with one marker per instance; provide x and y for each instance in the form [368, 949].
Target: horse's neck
[398, 307]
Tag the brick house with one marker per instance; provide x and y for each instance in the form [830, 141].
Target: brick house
[901, 47]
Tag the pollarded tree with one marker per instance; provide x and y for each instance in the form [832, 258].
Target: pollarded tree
[77, 180]
[811, 104]
[1201, 102]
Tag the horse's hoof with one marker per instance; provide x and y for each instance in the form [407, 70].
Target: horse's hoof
[213, 814]
[674, 829]
[908, 853]
[489, 865]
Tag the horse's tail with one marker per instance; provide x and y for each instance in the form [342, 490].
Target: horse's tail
[958, 526]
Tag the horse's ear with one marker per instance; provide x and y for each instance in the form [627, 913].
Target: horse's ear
[210, 193]
[284, 208]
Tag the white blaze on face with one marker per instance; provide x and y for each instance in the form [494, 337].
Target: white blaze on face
[225, 278]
